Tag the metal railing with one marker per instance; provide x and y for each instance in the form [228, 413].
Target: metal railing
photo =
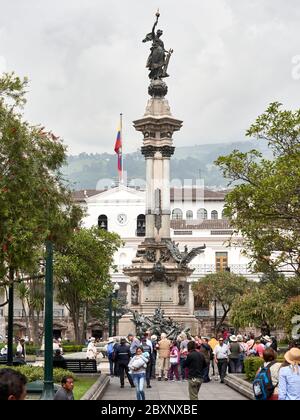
[211, 268]
[203, 313]
[206, 268]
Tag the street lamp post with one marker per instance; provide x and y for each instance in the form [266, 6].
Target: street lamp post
[116, 290]
[48, 390]
[110, 314]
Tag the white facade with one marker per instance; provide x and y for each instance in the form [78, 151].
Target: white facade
[122, 206]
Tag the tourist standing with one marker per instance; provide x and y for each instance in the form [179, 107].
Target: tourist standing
[213, 342]
[137, 366]
[154, 355]
[91, 352]
[221, 352]
[147, 349]
[134, 344]
[122, 357]
[183, 355]
[174, 361]
[206, 350]
[234, 356]
[65, 393]
[243, 352]
[258, 348]
[163, 357]
[289, 376]
[21, 348]
[110, 355]
[195, 363]
[269, 357]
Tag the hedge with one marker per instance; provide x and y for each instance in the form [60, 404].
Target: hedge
[253, 363]
[73, 348]
[34, 373]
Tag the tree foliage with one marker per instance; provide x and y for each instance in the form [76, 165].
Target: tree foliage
[224, 287]
[264, 206]
[34, 203]
[82, 270]
[264, 304]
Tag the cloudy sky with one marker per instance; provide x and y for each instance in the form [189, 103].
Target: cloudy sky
[86, 64]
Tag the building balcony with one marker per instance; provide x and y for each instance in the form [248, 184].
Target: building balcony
[57, 313]
[211, 268]
[207, 268]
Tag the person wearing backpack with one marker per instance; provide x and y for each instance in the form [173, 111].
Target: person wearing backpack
[265, 384]
[111, 355]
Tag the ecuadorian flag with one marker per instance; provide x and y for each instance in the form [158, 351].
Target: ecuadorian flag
[118, 150]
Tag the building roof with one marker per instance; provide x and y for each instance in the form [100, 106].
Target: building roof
[176, 194]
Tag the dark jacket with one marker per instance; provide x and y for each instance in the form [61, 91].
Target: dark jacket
[122, 354]
[195, 362]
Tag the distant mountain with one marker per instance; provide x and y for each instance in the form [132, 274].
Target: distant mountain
[86, 171]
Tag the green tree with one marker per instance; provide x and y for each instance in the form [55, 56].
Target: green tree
[32, 294]
[264, 304]
[264, 206]
[224, 287]
[291, 309]
[82, 270]
[34, 203]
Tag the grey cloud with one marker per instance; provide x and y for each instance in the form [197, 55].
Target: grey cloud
[86, 63]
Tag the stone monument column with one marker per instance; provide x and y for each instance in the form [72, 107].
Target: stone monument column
[159, 271]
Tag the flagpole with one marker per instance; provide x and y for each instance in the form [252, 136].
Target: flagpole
[121, 133]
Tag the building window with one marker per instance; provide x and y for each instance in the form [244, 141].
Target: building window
[102, 222]
[214, 215]
[177, 214]
[202, 214]
[221, 261]
[189, 215]
[223, 215]
[141, 225]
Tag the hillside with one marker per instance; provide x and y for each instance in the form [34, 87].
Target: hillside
[85, 171]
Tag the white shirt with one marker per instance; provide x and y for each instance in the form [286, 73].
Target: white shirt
[221, 352]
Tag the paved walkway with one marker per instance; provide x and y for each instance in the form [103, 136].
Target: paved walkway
[169, 390]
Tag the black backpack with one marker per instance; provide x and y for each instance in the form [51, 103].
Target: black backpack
[262, 385]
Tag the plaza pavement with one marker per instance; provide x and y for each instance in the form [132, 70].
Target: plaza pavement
[164, 390]
[169, 390]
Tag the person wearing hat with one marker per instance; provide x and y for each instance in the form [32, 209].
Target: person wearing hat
[110, 354]
[154, 355]
[289, 376]
[91, 352]
[234, 356]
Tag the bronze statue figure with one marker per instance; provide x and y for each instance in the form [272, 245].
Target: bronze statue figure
[158, 60]
[183, 258]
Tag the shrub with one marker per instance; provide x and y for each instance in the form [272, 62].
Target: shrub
[73, 348]
[34, 373]
[31, 349]
[252, 364]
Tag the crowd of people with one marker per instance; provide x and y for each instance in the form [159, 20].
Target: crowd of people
[192, 359]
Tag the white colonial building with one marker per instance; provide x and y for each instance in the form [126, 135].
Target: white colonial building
[197, 218]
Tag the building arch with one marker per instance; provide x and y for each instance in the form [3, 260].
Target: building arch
[103, 222]
[141, 225]
[214, 215]
[177, 214]
[202, 214]
[189, 215]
